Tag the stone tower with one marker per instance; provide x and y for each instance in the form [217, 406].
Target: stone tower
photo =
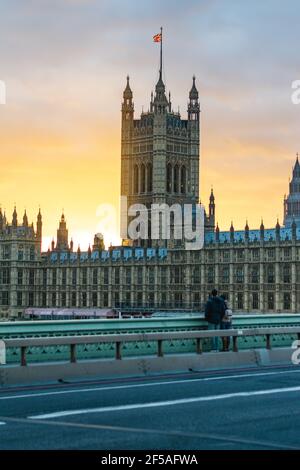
[292, 202]
[160, 152]
[62, 242]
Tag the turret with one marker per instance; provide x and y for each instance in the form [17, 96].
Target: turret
[127, 105]
[62, 235]
[210, 222]
[193, 106]
[98, 242]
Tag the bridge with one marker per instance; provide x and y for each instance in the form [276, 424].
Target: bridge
[149, 383]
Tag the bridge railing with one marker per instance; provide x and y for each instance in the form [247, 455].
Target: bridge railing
[119, 339]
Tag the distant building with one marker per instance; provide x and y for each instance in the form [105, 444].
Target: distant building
[20, 255]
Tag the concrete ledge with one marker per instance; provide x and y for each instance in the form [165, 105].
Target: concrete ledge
[137, 366]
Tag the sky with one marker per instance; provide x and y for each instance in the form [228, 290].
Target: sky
[64, 63]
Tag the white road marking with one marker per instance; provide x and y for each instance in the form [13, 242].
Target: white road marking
[151, 384]
[182, 401]
[1, 423]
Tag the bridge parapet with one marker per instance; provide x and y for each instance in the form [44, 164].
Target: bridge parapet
[48, 341]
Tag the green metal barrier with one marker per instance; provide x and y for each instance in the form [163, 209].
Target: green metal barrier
[35, 329]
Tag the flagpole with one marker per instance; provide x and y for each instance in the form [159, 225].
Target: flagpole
[160, 70]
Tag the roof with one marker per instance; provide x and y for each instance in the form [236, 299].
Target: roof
[254, 235]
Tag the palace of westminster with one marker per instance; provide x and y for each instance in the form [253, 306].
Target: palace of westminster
[259, 270]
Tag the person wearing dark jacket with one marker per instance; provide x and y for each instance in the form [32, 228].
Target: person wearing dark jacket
[214, 313]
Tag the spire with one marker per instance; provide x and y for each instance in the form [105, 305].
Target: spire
[247, 226]
[291, 203]
[277, 230]
[217, 232]
[212, 206]
[194, 92]
[127, 94]
[15, 218]
[296, 170]
[39, 225]
[231, 232]
[25, 219]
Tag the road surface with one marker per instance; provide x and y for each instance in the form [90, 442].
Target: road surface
[249, 409]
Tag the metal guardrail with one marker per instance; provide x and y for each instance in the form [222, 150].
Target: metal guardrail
[119, 339]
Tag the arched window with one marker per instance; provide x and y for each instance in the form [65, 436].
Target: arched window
[176, 179]
[143, 178]
[169, 178]
[136, 179]
[183, 180]
[149, 177]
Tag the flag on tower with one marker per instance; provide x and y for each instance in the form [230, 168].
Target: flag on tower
[157, 37]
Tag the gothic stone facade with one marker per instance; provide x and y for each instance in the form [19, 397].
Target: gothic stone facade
[259, 270]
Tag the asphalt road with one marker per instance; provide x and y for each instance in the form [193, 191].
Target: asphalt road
[250, 409]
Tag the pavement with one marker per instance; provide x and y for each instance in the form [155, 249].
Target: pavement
[228, 410]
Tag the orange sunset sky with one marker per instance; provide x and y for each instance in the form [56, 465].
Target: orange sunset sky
[65, 65]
